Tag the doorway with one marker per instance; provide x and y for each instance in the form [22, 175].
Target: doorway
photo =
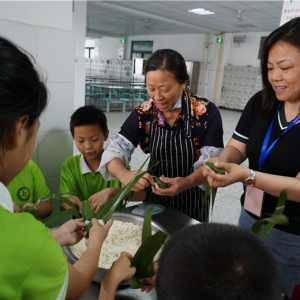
[141, 49]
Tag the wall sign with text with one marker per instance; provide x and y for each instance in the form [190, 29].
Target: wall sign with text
[290, 10]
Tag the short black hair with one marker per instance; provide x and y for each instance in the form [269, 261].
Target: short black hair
[288, 33]
[22, 91]
[170, 60]
[213, 261]
[88, 115]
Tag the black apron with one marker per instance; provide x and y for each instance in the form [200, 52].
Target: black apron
[176, 152]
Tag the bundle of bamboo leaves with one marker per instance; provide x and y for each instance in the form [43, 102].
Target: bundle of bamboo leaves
[143, 258]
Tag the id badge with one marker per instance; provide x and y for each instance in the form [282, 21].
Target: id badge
[253, 201]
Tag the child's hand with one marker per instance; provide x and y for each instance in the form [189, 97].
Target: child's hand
[150, 282]
[70, 233]
[121, 269]
[16, 207]
[98, 233]
[99, 199]
[73, 199]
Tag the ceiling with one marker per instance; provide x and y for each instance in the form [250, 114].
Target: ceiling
[122, 18]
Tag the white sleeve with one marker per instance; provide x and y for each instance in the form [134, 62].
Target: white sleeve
[118, 147]
[5, 198]
[207, 152]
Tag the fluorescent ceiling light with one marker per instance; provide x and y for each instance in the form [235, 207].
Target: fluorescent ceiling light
[201, 11]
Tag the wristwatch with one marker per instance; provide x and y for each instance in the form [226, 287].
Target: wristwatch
[250, 180]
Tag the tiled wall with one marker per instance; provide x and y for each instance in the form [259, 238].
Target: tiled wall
[239, 84]
[110, 68]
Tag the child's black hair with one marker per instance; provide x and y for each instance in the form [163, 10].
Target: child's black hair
[88, 115]
[213, 261]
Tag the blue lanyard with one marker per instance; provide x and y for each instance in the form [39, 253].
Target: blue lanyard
[266, 151]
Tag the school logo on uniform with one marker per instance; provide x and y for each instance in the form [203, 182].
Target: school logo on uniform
[23, 193]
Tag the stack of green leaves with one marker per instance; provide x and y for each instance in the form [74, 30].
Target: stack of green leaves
[143, 258]
[276, 218]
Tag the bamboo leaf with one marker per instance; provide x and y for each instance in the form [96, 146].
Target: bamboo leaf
[31, 210]
[135, 283]
[269, 226]
[276, 218]
[147, 228]
[281, 203]
[160, 183]
[34, 211]
[64, 213]
[146, 252]
[87, 212]
[105, 213]
[206, 194]
[57, 197]
[213, 197]
[110, 207]
[215, 169]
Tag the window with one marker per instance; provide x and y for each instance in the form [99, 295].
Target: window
[262, 40]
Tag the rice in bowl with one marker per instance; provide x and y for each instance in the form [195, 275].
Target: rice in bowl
[122, 236]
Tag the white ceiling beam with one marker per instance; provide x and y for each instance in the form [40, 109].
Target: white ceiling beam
[154, 17]
[94, 32]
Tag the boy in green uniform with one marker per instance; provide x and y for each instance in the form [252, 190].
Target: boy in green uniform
[28, 187]
[80, 178]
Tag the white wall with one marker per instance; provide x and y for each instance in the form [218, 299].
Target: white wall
[108, 47]
[79, 28]
[45, 29]
[190, 46]
[52, 14]
[245, 53]
[183, 43]
[89, 42]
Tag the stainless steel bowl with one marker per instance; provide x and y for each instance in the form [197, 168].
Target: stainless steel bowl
[125, 217]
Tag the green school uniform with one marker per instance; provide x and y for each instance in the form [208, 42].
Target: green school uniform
[77, 179]
[33, 265]
[28, 186]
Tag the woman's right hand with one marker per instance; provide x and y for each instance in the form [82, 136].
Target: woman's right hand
[206, 169]
[144, 182]
[97, 232]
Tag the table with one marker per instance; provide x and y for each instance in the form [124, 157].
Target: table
[110, 87]
[172, 220]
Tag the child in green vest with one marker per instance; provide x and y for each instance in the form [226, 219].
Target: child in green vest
[28, 187]
[80, 178]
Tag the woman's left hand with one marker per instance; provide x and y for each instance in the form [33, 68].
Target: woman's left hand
[233, 173]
